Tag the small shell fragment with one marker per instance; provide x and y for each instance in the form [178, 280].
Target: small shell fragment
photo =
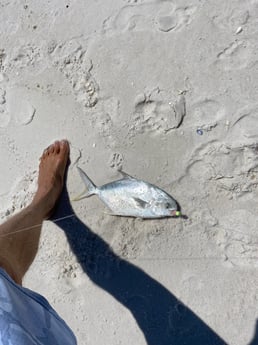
[239, 30]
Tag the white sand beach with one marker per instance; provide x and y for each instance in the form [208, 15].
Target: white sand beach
[168, 92]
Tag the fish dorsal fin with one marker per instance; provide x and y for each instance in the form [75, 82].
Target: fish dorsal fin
[141, 203]
[125, 175]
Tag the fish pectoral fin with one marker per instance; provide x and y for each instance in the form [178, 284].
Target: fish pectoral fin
[141, 203]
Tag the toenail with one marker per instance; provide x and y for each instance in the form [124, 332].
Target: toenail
[63, 143]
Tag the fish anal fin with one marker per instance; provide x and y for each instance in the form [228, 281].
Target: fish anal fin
[109, 213]
[141, 203]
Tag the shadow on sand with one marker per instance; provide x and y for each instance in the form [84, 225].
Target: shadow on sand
[255, 338]
[163, 319]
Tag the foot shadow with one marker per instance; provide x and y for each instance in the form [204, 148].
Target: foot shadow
[163, 319]
[255, 337]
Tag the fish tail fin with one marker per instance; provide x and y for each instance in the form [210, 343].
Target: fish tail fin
[90, 186]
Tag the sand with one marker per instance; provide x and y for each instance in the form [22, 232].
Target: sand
[166, 90]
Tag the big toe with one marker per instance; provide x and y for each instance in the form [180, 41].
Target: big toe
[64, 146]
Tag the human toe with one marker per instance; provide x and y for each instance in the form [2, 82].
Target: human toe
[64, 146]
[56, 147]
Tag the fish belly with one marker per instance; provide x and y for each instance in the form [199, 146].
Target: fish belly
[120, 197]
[121, 206]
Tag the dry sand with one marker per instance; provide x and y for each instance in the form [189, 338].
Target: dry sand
[167, 90]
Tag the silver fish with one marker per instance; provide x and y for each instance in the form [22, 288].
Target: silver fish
[132, 197]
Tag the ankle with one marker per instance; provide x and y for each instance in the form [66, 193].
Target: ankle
[39, 208]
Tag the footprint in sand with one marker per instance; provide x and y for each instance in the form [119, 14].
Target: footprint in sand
[104, 117]
[229, 171]
[206, 114]
[155, 115]
[166, 23]
[24, 56]
[19, 106]
[132, 1]
[70, 59]
[2, 58]
[20, 195]
[237, 237]
[2, 96]
[237, 55]
[229, 17]
[4, 116]
[163, 16]
[177, 20]
[243, 128]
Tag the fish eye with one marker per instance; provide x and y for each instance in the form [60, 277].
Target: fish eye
[167, 205]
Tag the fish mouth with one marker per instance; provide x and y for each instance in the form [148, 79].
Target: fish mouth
[175, 213]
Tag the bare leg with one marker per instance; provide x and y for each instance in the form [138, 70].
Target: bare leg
[18, 249]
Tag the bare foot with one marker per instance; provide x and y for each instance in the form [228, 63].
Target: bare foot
[51, 176]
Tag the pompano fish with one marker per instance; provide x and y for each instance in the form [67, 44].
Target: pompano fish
[131, 197]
